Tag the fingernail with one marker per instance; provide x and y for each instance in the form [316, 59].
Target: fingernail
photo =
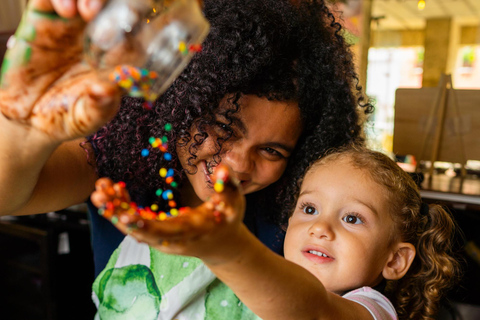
[68, 5]
[94, 5]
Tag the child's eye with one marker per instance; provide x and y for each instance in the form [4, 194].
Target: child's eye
[310, 210]
[353, 219]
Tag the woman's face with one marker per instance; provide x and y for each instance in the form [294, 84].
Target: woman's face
[264, 136]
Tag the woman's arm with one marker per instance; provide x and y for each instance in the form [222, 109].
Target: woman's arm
[49, 101]
[38, 175]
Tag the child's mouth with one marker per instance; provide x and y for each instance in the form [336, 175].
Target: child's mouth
[318, 253]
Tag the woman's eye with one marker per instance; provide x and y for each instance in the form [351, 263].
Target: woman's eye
[222, 126]
[352, 219]
[223, 129]
[273, 153]
[310, 210]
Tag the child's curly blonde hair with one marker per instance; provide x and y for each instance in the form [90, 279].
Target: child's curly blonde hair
[435, 268]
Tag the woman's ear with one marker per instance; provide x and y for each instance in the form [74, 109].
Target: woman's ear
[399, 261]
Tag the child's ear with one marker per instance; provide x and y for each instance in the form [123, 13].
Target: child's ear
[399, 261]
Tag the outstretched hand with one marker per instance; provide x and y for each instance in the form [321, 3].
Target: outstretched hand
[204, 231]
[44, 84]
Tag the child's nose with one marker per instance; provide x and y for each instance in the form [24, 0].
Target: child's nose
[321, 228]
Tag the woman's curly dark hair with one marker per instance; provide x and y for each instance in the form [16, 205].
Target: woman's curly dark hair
[275, 49]
[432, 230]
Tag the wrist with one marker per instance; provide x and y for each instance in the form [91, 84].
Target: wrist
[24, 138]
[238, 248]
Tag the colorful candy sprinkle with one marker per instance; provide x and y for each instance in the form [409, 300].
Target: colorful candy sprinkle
[137, 82]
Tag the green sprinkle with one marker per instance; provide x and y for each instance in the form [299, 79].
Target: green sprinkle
[101, 212]
[151, 140]
[114, 220]
[168, 127]
[159, 192]
[164, 139]
[174, 184]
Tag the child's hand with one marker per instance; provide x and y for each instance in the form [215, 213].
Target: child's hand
[207, 231]
[44, 84]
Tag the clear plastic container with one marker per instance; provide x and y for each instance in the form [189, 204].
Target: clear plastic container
[155, 38]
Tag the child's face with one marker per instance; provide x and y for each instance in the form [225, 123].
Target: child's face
[343, 214]
[265, 134]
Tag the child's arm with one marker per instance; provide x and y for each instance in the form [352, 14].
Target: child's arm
[275, 288]
[272, 287]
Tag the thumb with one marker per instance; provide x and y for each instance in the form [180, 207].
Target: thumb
[229, 192]
[92, 110]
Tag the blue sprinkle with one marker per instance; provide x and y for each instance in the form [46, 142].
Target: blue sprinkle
[170, 173]
[165, 194]
[145, 153]
[167, 156]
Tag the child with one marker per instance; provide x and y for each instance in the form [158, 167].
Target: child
[359, 226]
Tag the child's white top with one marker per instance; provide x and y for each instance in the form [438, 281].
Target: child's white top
[376, 303]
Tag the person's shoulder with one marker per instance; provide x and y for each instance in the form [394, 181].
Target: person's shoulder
[375, 302]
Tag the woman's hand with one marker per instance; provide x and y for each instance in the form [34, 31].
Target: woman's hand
[208, 231]
[44, 84]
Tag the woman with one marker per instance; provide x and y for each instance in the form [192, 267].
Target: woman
[271, 90]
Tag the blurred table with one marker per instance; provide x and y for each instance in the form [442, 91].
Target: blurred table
[462, 194]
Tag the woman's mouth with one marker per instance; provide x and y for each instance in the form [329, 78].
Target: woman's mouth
[207, 171]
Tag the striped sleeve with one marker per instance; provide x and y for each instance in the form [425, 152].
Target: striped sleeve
[376, 303]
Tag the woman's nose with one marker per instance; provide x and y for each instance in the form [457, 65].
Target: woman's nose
[240, 161]
[321, 228]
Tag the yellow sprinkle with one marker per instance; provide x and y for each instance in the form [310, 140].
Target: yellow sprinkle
[218, 187]
[162, 216]
[163, 172]
[127, 83]
[182, 46]
[174, 212]
[124, 205]
[154, 207]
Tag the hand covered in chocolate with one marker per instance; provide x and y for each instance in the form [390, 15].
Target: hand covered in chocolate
[44, 83]
[199, 231]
